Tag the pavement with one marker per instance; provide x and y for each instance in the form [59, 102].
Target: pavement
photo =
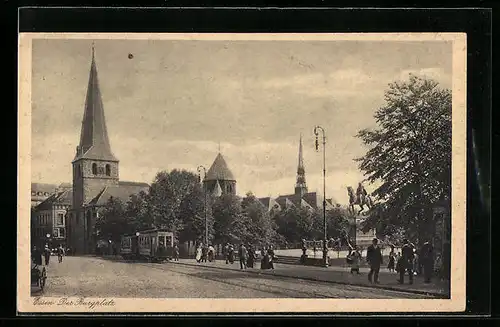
[114, 277]
[339, 275]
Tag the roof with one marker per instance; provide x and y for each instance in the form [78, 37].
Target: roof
[64, 197]
[94, 141]
[138, 184]
[43, 187]
[121, 191]
[219, 170]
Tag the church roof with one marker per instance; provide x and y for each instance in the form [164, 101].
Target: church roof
[60, 198]
[94, 141]
[123, 192]
[219, 170]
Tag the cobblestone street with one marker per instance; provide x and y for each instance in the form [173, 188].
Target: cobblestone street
[99, 277]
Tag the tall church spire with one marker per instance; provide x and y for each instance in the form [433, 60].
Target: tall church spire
[300, 185]
[94, 140]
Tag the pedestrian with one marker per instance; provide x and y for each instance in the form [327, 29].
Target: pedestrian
[405, 263]
[355, 260]
[251, 256]
[36, 256]
[198, 254]
[243, 255]
[391, 265]
[272, 257]
[374, 259]
[225, 251]
[304, 250]
[60, 253]
[176, 252]
[204, 253]
[211, 253]
[427, 260]
[231, 254]
[416, 263]
[47, 253]
[264, 261]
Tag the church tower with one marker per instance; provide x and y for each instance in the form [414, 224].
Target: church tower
[94, 165]
[219, 179]
[300, 185]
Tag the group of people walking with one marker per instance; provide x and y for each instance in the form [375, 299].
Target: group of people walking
[246, 254]
[409, 262]
[204, 253]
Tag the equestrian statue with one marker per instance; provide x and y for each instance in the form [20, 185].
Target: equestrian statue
[360, 198]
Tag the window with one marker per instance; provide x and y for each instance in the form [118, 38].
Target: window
[78, 170]
[62, 232]
[60, 219]
[56, 232]
[94, 168]
[169, 240]
[108, 170]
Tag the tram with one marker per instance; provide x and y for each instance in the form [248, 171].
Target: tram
[154, 245]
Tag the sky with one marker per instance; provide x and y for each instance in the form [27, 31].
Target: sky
[176, 101]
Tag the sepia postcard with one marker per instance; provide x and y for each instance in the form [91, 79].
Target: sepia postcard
[241, 173]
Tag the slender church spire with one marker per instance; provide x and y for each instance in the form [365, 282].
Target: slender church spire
[300, 185]
[94, 140]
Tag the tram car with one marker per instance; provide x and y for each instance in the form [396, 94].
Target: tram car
[154, 245]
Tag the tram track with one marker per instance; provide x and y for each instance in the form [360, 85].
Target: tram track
[263, 284]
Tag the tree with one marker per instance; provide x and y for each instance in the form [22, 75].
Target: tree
[166, 195]
[138, 212]
[410, 153]
[111, 222]
[230, 224]
[192, 214]
[260, 228]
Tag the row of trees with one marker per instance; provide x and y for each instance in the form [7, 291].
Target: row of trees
[176, 201]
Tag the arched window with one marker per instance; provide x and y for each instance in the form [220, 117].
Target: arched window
[94, 168]
[108, 170]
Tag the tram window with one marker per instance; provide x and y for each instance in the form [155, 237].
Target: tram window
[169, 240]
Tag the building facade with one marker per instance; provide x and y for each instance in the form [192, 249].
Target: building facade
[49, 220]
[95, 172]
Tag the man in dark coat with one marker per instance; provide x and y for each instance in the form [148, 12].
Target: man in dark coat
[374, 259]
[47, 253]
[36, 256]
[427, 260]
[251, 256]
[406, 264]
[243, 254]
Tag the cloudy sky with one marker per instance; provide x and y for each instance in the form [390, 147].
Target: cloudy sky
[174, 101]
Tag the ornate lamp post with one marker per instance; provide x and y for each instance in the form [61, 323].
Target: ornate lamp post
[200, 169]
[316, 132]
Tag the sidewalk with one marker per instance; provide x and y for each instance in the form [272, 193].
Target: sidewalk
[338, 275]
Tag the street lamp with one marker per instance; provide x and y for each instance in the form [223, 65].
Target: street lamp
[316, 133]
[201, 168]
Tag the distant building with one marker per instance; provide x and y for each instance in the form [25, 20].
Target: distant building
[95, 172]
[301, 198]
[219, 179]
[40, 192]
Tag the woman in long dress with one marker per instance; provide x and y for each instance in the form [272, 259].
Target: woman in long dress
[198, 254]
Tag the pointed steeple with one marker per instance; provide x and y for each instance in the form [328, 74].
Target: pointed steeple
[300, 185]
[94, 140]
